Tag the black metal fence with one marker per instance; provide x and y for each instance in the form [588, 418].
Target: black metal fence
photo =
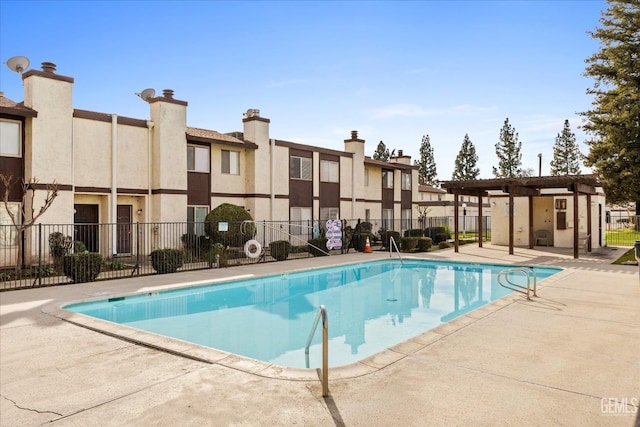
[622, 228]
[51, 254]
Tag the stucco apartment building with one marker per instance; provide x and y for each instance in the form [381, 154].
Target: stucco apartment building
[114, 169]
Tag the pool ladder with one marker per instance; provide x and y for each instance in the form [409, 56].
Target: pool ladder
[528, 272]
[392, 244]
[322, 314]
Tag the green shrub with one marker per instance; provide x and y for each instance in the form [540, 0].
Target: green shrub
[280, 249]
[386, 235]
[408, 244]
[444, 245]
[414, 232]
[41, 271]
[166, 260]
[437, 234]
[238, 232]
[79, 247]
[196, 245]
[298, 249]
[441, 237]
[59, 246]
[115, 265]
[424, 244]
[82, 267]
[316, 244]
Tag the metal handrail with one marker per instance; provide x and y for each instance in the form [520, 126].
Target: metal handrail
[322, 313]
[392, 243]
[519, 288]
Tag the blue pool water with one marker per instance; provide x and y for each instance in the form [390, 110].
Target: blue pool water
[370, 306]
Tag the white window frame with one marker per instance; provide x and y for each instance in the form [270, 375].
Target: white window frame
[305, 168]
[230, 162]
[300, 215]
[198, 158]
[387, 178]
[197, 218]
[10, 138]
[406, 181]
[406, 219]
[329, 171]
[387, 219]
[329, 213]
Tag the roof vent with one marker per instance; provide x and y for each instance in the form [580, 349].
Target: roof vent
[252, 112]
[48, 67]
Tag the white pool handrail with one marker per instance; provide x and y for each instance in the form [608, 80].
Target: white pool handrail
[392, 244]
[527, 271]
[322, 313]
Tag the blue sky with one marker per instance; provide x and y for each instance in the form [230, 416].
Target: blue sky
[394, 71]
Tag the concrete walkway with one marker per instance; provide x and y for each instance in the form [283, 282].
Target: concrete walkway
[570, 357]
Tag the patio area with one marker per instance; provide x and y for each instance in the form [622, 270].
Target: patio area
[569, 357]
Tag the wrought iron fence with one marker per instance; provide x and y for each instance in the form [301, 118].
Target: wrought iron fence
[622, 229]
[51, 254]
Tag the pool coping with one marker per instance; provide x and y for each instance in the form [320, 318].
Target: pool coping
[366, 366]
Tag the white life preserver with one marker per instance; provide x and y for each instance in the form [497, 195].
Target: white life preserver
[252, 244]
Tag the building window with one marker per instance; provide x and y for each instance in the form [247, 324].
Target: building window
[406, 219]
[367, 215]
[300, 168]
[406, 181]
[387, 219]
[231, 162]
[300, 219]
[439, 197]
[329, 171]
[329, 213]
[7, 230]
[197, 158]
[195, 219]
[387, 179]
[366, 177]
[10, 138]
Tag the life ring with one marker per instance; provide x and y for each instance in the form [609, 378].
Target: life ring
[255, 245]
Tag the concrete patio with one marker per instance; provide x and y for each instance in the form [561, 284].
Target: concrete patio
[569, 357]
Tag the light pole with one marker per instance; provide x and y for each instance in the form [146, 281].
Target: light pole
[539, 164]
[464, 220]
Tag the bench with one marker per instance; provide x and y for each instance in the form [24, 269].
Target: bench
[583, 242]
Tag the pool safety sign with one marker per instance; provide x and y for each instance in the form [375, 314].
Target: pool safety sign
[334, 234]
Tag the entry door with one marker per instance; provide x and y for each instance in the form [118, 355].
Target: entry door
[123, 227]
[85, 228]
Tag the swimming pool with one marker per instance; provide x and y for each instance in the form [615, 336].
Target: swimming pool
[371, 306]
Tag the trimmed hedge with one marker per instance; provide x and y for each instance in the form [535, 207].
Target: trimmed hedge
[437, 234]
[386, 238]
[424, 244]
[418, 244]
[83, 267]
[166, 260]
[238, 232]
[280, 249]
[320, 242]
[414, 232]
[444, 245]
